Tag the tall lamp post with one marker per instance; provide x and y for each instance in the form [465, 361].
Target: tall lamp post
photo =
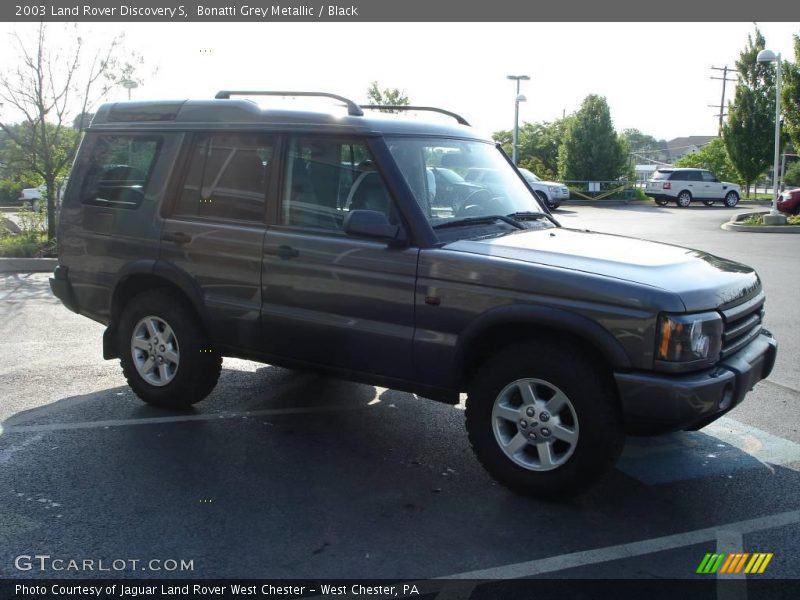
[517, 99]
[774, 217]
[129, 84]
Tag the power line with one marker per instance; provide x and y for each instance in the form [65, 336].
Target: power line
[724, 80]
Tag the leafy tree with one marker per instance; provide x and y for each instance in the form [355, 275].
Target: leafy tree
[790, 96]
[645, 148]
[792, 175]
[714, 157]
[46, 86]
[538, 146]
[386, 97]
[592, 151]
[750, 128]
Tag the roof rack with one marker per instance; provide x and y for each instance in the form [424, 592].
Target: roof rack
[457, 117]
[353, 109]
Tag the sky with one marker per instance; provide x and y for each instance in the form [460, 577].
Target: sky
[655, 76]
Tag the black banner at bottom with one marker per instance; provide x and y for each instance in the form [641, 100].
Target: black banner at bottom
[518, 589]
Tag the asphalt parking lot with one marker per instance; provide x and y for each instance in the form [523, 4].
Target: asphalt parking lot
[284, 474]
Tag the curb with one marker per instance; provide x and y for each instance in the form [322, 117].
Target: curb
[27, 265]
[729, 226]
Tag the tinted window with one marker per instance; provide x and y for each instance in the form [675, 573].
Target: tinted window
[118, 170]
[326, 178]
[661, 175]
[226, 177]
[708, 176]
[686, 176]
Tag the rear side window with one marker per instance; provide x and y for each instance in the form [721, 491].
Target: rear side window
[226, 177]
[661, 175]
[118, 170]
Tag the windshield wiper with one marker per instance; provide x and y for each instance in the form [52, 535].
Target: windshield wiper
[478, 221]
[527, 216]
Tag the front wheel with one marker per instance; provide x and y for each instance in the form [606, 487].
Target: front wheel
[551, 204]
[543, 420]
[731, 199]
[165, 355]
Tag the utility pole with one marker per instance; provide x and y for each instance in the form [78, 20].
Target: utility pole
[724, 79]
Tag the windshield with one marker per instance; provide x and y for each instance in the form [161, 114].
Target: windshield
[486, 184]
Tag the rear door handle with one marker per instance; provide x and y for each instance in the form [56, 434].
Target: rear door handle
[177, 237]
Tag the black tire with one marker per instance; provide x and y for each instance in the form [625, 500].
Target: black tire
[731, 199]
[662, 201]
[593, 414]
[708, 202]
[550, 204]
[684, 199]
[198, 365]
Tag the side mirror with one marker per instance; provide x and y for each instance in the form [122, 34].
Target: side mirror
[370, 224]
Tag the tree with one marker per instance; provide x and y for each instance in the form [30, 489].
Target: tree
[48, 87]
[792, 175]
[645, 148]
[714, 157]
[538, 146]
[750, 129]
[592, 151]
[386, 97]
[790, 96]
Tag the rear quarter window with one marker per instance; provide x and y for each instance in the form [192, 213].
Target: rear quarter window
[118, 168]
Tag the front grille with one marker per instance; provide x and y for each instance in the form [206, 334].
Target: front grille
[741, 324]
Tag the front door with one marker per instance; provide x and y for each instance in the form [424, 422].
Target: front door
[329, 298]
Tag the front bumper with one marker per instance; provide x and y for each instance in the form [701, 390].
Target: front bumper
[657, 403]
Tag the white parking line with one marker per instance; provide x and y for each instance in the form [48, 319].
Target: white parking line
[178, 419]
[632, 549]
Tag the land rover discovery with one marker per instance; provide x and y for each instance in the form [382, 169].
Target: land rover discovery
[200, 229]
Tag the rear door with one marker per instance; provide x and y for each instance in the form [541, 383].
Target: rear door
[214, 230]
[329, 298]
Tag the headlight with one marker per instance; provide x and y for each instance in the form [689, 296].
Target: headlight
[553, 189]
[689, 338]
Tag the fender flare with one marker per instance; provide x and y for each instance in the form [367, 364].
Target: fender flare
[546, 316]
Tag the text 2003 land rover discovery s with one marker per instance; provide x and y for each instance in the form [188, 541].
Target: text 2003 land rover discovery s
[200, 229]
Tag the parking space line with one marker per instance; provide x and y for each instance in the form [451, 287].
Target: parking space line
[177, 419]
[730, 542]
[629, 550]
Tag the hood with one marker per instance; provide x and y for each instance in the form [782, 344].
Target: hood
[701, 280]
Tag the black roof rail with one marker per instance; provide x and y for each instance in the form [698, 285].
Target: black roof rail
[457, 117]
[353, 109]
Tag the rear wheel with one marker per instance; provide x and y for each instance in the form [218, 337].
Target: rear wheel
[543, 420]
[731, 199]
[684, 199]
[165, 355]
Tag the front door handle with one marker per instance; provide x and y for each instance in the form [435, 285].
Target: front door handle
[178, 237]
[285, 252]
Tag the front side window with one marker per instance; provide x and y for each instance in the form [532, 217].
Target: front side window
[226, 177]
[327, 178]
[485, 184]
[118, 170]
[708, 177]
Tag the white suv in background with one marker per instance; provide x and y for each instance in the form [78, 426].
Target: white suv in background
[682, 186]
[549, 192]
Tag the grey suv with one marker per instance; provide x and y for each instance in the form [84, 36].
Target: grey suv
[201, 229]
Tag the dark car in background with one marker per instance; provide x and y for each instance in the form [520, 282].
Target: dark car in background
[789, 202]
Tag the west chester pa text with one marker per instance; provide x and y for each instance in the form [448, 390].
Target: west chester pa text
[245, 10]
[209, 591]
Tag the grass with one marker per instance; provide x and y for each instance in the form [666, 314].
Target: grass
[759, 220]
[26, 246]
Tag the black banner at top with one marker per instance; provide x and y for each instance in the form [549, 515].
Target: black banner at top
[179, 11]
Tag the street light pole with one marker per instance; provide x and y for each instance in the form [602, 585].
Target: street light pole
[774, 217]
[517, 99]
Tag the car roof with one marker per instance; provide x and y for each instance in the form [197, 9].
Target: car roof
[246, 114]
[672, 169]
